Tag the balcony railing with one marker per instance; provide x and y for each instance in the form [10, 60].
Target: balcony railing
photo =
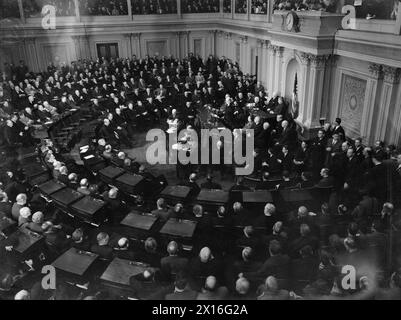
[98, 11]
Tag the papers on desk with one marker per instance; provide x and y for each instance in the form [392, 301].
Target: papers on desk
[89, 157]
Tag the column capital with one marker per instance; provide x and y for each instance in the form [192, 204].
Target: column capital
[244, 40]
[391, 74]
[376, 70]
[317, 61]
[136, 36]
[228, 35]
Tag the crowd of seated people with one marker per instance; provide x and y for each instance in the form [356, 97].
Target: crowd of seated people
[197, 6]
[103, 8]
[241, 6]
[154, 7]
[227, 6]
[277, 253]
[259, 7]
[33, 8]
[9, 9]
[301, 5]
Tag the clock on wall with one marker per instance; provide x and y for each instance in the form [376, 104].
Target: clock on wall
[291, 22]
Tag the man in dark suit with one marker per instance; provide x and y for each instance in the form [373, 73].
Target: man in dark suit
[288, 136]
[102, 247]
[162, 213]
[318, 152]
[191, 183]
[182, 291]
[338, 129]
[327, 181]
[286, 159]
[173, 264]
[277, 265]
[211, 291]
[146, 286]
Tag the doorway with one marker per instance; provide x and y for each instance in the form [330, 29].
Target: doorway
[107, 50]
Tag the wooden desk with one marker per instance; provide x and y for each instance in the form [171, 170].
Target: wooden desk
[129, 182]
[90, 208]
[179, 228]
[213, 197]
[120, 271]
[137, 221]
[176, 193]
[50, 187]
[66, 197]
[261, 196]
[26, 241]
[75, 262]
[109, 174]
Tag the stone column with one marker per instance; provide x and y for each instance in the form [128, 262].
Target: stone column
[388, 123]
[271, 65]
[77, 47]
[316, 84]
[212, 37]
[179, 9]
[128, 44]
[21, 11]
[77, 12]
[129, 6]
[261, 61]
[31, 55]
[279, 69]
[245, 61]
[178, 44]
[372, 89]
[303, 84]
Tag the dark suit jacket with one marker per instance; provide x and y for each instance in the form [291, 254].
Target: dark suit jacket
[277, 266]
[173, 265]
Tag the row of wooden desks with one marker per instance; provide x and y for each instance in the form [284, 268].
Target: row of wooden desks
[87, 208]
[147, 224]
[79, 266]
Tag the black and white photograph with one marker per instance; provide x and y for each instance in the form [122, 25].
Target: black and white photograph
[200, 154]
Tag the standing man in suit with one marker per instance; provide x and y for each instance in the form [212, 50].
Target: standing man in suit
[338, 129]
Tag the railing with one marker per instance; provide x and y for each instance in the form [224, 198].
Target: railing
[365, 18]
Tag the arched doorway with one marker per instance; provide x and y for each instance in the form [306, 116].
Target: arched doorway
[293, 73]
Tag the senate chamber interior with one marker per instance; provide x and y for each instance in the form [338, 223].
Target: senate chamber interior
[306, 91]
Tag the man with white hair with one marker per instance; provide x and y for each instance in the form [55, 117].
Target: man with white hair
[18, 205]
[36, 224]
[84, 187]
[24, 216]
[271, 291]
[211, 290]
[63, 177]
[205, 264]
[161, 212]
[268, 219]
